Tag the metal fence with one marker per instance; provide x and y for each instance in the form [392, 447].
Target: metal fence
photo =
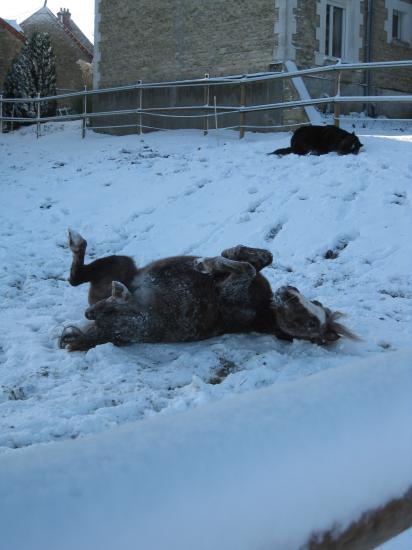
[209, 112]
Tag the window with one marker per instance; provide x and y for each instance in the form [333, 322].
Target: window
[397, 25]
[334, 32]
[338, 34]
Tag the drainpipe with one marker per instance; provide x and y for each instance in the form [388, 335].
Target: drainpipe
[368, 55]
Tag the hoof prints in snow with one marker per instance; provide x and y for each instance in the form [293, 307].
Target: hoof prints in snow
[206, 189]
[407, 295]
[332, 254]
[341, 244]
[228, 367]
[273, 232]
[399, 198]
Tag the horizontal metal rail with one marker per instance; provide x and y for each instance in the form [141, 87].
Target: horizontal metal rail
[223, 81]
[223, 109]
[207, 111]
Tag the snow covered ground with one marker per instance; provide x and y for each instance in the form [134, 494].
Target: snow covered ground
[184, 193]
[401, 542]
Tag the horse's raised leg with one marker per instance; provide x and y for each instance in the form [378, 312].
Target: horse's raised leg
[232, 278]
[258, 257]
[99, 273]
[78, 272]
[220, 265]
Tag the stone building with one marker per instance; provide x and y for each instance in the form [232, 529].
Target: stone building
[183, 39]
[316, 33]
[11, 42]
[69, 45]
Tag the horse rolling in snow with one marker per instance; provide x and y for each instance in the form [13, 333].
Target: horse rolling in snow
[187, 298]
[320, 140]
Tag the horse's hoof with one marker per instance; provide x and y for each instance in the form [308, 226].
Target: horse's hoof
[76, 242]
[202, 265]
[69, 335]
[258, 257]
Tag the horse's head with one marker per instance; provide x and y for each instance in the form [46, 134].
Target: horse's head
[108, 314]
[116, 305]
[308, 320]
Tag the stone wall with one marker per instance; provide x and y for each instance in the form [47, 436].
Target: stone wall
[399, 80]
[10, 46]
[183, 39]
[180, 39]
[305, 41]
[153, 99]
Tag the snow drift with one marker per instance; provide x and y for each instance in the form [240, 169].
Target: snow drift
[262, 470]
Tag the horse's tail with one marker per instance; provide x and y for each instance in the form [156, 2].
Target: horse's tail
[281, 152]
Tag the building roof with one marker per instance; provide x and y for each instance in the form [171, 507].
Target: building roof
[72, 30]
[13, 23]
[13, 27]
[79, 35]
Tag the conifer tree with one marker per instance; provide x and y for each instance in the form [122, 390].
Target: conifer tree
[32, 72]
[43, 69]
[18, 83]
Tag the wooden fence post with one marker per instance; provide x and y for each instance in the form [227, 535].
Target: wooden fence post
[336, 106]
[38, 114]
[242, 116]
[206, 96]
[84, 113]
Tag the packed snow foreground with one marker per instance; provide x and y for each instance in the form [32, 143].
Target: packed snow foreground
[241, 441]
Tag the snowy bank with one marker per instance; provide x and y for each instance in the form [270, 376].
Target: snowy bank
[262, 470]
[401, 542]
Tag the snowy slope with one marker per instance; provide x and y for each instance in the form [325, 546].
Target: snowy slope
[181, 192]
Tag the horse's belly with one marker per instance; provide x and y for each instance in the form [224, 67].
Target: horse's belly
[176, 309]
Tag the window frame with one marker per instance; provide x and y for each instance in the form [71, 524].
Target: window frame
[352, 36]
[329, 32]
[403, 11]
[399, 17]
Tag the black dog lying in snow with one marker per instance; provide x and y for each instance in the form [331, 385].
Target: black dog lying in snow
[320, 140]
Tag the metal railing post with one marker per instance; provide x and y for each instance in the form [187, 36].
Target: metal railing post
[336, 106]
[216, 121]
[38, 115]
[140, 82]
[84, 113]
[242, 116]
[206, 96]
[1, 113]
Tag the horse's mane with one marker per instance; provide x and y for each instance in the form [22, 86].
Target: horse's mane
[333, 326]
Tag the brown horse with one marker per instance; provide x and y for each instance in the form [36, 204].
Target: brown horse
[186, 298]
